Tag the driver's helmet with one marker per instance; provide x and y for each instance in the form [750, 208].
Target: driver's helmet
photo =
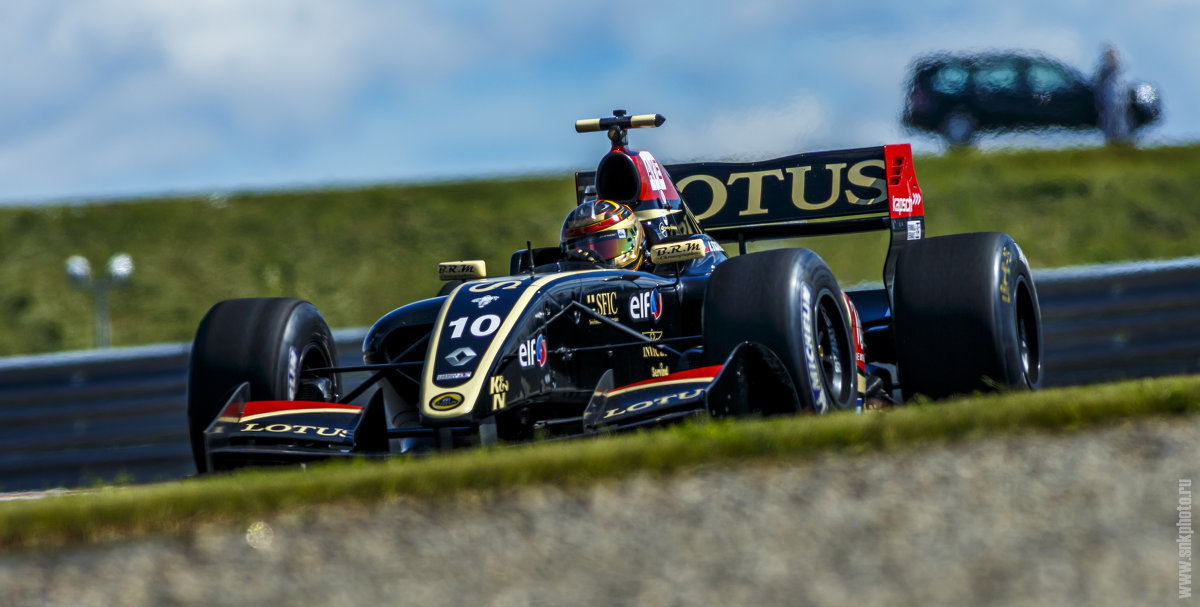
[606, 228]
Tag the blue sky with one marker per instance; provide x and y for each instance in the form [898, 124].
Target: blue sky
[113, 98]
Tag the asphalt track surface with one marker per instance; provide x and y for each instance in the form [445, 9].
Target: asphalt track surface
[1085, 518]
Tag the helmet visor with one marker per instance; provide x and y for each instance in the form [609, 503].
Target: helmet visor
[608, 245]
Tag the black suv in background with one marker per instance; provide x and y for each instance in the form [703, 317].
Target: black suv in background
[957, 96]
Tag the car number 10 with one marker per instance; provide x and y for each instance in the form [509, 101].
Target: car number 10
[482, 327]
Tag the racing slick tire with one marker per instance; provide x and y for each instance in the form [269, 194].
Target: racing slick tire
[966, 317]
[788, 301]
[268, 342]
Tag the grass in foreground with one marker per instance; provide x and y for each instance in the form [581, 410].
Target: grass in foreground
[173, 509]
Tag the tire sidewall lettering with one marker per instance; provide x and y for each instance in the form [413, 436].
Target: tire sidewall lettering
[809, 339]
[293, 372]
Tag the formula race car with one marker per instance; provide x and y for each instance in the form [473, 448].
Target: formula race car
[639, 317]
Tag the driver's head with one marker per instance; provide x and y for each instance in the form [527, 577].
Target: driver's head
[606, 228]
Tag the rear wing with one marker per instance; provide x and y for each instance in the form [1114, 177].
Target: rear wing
[805, 194]
[837, 192]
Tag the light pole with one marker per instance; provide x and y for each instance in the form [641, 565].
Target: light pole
[120, 270]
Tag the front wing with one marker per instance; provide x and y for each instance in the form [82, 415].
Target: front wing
[751, 381]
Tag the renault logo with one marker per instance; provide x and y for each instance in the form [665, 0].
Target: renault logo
[460, 357]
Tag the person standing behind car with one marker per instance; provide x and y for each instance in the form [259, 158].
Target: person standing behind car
[1112, 98]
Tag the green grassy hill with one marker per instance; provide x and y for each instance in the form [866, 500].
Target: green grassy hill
[357, 253]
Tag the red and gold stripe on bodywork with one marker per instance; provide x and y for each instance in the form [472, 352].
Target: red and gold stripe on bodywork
[701, 375]
[275, 408]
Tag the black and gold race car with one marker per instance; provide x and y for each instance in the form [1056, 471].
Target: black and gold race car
[567, 345]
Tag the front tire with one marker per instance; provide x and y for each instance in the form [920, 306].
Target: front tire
[268, 342]
[788, 301]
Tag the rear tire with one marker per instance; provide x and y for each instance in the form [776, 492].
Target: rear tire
[966, 317]
[788, 301]
[268, 342]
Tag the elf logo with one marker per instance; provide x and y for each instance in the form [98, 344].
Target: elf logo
[532, 352]
[646, 305]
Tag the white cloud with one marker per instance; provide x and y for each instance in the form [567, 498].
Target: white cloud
[128, 95]
[752, 133]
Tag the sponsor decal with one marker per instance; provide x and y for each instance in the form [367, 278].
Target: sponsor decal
[906, 205]
[462, 270]
[810, 349]
[646, 305]
[532, 352]
[653, 334]
[656, 220]
[677, 251]
[860, 357]
[701, 375]
[498, 390]
[660, 370]
[808, 186]
[297, 429]
[914, 229]
[461, 356]
[446, 402]
[453, 376]
[653, 171]
[654, 402]
[604, 304]
[483, 301]
[802, 186]
[652, 352]
[1006, 264]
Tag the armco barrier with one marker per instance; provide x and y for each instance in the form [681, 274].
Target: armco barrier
[77, 418]
[1119, 321]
